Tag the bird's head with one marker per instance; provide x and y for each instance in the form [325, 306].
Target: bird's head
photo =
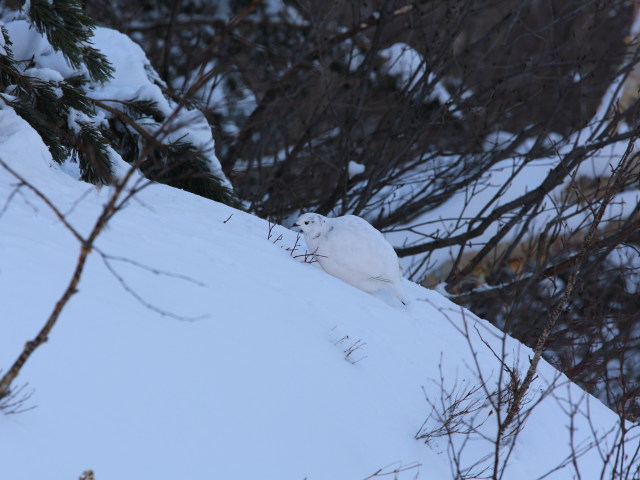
[310, 223]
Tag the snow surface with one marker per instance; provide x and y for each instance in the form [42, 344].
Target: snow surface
[198, 346]
[262, 366]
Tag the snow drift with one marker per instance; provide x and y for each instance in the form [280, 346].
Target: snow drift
[201, 345]
[198, 346]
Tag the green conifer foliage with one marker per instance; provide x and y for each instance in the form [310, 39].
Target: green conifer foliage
[69, 31]
[64, 114]
[179, 163]
[47, 104]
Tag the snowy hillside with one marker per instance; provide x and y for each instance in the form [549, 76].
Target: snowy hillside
[201, 344]
[197, 346]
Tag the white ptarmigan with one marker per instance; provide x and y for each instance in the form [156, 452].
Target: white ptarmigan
[350, 249]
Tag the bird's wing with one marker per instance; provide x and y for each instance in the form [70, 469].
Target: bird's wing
[356, 246]
[355, 222]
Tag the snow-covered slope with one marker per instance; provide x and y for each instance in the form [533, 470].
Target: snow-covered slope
[262, 366]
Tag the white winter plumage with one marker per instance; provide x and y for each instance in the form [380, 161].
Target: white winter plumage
[350, 249]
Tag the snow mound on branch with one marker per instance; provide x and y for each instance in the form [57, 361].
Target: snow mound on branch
[409, 66]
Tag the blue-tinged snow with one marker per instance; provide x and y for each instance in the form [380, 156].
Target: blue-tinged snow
[273, 370]
[409, 67]
[199, 346]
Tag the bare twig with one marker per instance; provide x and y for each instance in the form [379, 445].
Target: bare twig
[390, 470]
[164, 313]
[44, 198]
[16, 401]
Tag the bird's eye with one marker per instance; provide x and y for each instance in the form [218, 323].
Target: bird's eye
[306, 223]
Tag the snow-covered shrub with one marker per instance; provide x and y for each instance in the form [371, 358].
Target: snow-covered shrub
[91, 94]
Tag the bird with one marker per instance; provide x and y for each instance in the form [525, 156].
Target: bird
[351, 249]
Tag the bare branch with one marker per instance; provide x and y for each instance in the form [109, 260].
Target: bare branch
[45, 199]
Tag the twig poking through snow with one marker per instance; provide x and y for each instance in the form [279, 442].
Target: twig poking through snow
[15, 402]
[351, 349]
[387, 471]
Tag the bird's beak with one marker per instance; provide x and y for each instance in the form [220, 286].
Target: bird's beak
[295, 225]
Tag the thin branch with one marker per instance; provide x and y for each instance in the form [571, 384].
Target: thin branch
[153, 270]
[45, 199]
[164, 313]
[389, 470]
